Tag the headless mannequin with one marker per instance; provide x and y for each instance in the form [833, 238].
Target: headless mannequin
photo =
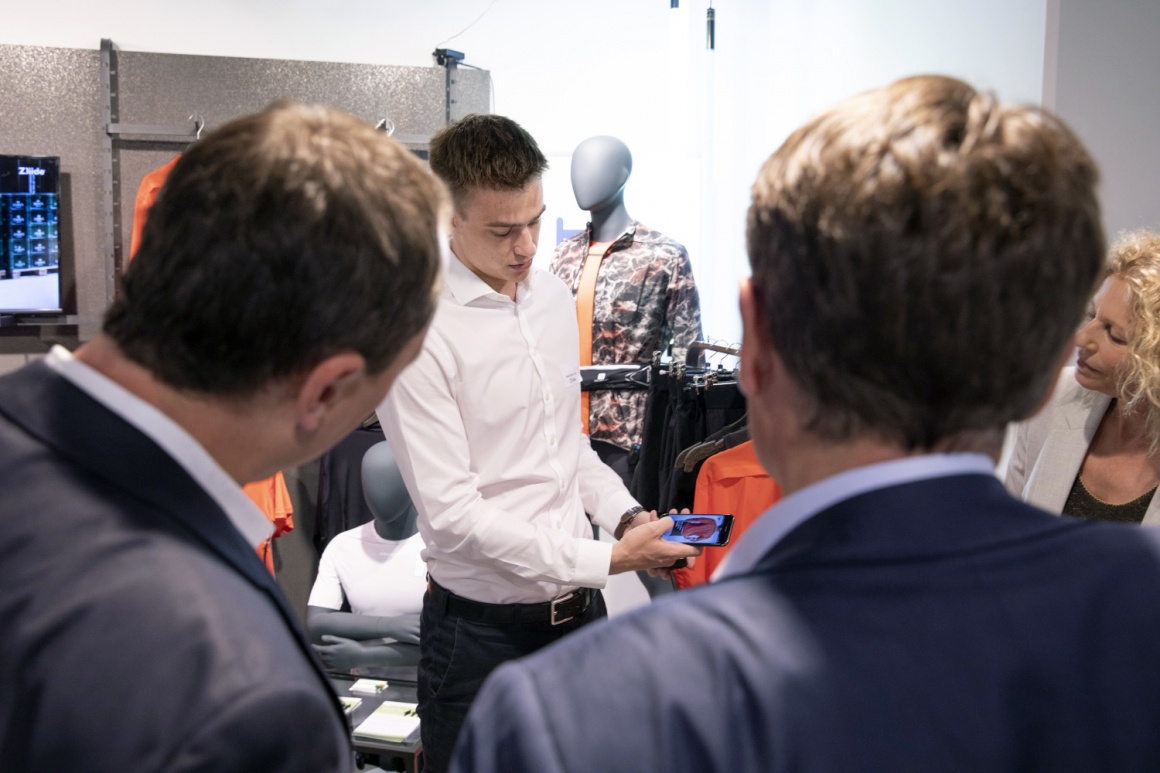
[345, 640]
[601, 167]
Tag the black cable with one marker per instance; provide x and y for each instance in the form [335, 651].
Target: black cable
[469, 26]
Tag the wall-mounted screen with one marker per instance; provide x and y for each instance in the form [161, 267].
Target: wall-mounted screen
[29, 234]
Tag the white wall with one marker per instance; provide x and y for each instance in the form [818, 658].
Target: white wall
[1103, 80]
[699, 123]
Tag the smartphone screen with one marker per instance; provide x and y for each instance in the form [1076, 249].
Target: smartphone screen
[700, 529]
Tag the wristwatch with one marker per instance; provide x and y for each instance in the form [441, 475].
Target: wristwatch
[625, 520]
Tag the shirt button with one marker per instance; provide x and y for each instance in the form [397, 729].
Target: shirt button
[547, 397]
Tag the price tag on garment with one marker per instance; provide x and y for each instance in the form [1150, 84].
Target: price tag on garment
[571, 375]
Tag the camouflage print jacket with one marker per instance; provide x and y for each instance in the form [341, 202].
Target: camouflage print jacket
[645, 299]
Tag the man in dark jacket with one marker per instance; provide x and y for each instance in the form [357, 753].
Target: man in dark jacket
[286, 275]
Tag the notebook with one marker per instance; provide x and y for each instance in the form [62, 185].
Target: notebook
[393, 722]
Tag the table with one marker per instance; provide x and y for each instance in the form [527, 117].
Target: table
[387, 756]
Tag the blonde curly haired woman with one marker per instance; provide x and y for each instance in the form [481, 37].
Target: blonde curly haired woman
[1094, 451]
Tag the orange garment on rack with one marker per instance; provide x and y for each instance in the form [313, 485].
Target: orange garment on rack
[732, 481]
[270, 495]
[146, 195]
[273, 498]
[585, 308]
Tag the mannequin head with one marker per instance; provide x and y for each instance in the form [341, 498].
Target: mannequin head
[386, 494]
[600, 168]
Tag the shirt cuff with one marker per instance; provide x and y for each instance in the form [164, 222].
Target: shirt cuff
[609, 517]
[593, 560]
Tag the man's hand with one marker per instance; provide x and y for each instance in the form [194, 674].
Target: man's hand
[642, 547]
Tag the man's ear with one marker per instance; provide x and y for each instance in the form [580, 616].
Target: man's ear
[325, 385]
[756, 346]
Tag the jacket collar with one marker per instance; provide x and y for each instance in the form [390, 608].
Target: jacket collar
[80, 429]
[1074, 421]
[912, 521]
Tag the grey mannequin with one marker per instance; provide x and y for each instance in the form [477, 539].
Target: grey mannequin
[601, 167]
[344, 640]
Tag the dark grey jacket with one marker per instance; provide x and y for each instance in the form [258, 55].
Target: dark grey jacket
[138, 630]
[938, 625]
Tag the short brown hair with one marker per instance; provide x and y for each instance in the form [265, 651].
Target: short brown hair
[922, 254]
[278, 240]
[485, 151]
[1135, 259]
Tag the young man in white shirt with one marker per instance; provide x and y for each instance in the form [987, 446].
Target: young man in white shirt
[486, 429]
[286, 276]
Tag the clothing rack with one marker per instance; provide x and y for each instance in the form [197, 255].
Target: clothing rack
[628, 376]
[692, 355]
[693, 376]
[686, 405]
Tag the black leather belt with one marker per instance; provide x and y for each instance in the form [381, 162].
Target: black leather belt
[558, 610]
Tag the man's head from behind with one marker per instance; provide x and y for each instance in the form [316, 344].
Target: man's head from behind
[280, 239]
[921, 255]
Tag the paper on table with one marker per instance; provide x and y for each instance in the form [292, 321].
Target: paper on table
[369, 686]
[392, 721]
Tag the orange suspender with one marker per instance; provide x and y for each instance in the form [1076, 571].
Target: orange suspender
[585, 307]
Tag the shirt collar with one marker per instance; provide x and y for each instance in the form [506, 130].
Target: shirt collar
[800, 506]
[166, 433]
[462, 284]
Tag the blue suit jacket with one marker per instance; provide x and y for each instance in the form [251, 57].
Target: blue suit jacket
[138, 630]
[933, 626]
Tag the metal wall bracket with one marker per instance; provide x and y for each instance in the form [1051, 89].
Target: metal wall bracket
[115, 132]
[181, 134]
[110, 171]
[449, 60]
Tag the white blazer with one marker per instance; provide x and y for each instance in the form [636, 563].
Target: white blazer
[1050, 447]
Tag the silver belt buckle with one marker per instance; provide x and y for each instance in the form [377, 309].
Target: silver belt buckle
[561, 600]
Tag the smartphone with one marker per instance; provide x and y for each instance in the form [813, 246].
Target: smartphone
[700, 529]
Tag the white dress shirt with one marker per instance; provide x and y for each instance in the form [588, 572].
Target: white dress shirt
[179, 444]
[800, 506]
[485, 426]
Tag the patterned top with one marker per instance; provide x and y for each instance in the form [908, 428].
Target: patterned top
[1083, 504]
[645, 298]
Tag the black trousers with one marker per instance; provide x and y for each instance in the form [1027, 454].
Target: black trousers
[456, 657]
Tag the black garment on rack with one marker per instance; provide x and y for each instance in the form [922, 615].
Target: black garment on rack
[679, 414]
[718, 406]
[645, 487]
[685, 427]
[341, 504]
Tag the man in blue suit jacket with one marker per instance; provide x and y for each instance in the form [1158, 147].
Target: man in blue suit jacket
[921, 256]
[286, 275]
